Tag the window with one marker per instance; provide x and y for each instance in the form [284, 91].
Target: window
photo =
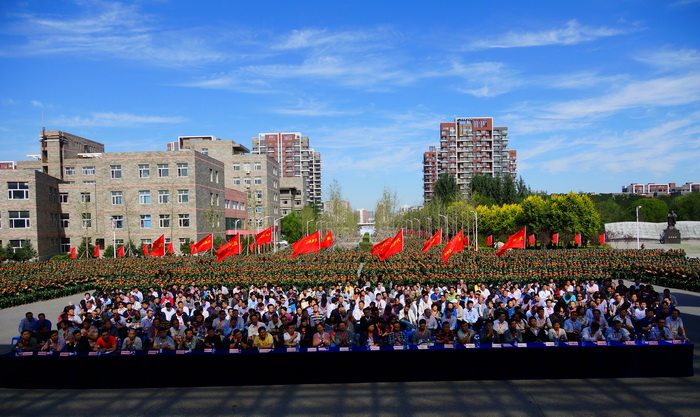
[117, 222]
[217, 202]
[205, 151]
[211, 199]
[70, 171]
[144, 197]
[163, 196]
[145, 221]
[87, 220]
[163, 170]
[65, 245]
[259, 209]
[16, 244]
[237, 181]
[115, 171]
[85, 197]
[65, 220]
[144, 170]
[182, 241]
[63, 197]
[145, 242]
[258, 195]
[116, 197]
[258, 181]
[246, 167]
[89, 170]
[118, 242]
[216, 177]
[257, 166]
[19, 220]
[183, 196]
[246, 181]
[182, 170]
[164, 220]
[183, 220]
[211, 175]
[274, 184]
[236, 166]
[89, 182]
[18, 190]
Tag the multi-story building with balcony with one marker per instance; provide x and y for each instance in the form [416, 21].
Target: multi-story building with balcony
[469, 146]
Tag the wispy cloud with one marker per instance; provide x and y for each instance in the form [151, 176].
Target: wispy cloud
[313, 108]
[572, 33]
[113, 29]
[109, 119]
[323, 38]
[670, 59]
[483, 79]
[581, 80]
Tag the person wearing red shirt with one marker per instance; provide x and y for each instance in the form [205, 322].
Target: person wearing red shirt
[106, 343]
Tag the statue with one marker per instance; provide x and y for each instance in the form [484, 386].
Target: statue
[671, 234]
[672, 217]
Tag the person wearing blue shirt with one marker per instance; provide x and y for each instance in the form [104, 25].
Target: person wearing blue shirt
[27, 323]
[660, 332]
[573, 327]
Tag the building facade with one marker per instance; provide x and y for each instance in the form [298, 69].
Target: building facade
[56, 202]
[295, 157]
[469, 146]
[653, 189]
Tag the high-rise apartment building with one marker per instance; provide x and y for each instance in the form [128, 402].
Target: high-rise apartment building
[296, 158]
[469, 146]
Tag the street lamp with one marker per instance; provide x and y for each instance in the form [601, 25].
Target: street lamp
[418, 220]
[307, 225]
[637, 210]
[114, 238]
[447, 225]
[476, 229]
[430, 230]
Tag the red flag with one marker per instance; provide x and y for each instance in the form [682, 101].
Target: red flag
[158, 248]
[307, 244]
[144, 248]
[264, 237]
[327, 241]
[251, 247]
[531, 240]
[601, 239]
[577, 239]
[232, 247]
[379, 247]
[489, 240]
[456, 244]
[73, 253]
[96, 252]
[205, 244]
[465, 239]
[120, 252]
[435, 240]
[170, 248]
[555, 238]
[514, 241]
[394, 247]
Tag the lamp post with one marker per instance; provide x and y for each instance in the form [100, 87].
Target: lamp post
[114, 238]
[274, 234]
[637, 210]
[317, 228]
[447, 225]
[418, 220]
[430, 229]
[307, 225]
[476, 229]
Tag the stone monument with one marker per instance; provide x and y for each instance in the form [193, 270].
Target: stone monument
[671, 234]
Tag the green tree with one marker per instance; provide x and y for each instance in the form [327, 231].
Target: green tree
[185, 246]
[385, 213]
[446, 190]
[653, 210]
[535, 216]
[25, 253]
[573, 213]
[291, 227]
[687, 206]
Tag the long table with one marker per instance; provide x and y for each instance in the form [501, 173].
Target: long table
[339, 365]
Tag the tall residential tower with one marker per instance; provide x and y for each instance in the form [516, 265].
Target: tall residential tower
[469, 146]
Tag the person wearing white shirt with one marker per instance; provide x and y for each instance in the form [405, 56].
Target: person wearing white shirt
[430, 321]
[500, 326]
[407, 318]
[470, 314]
[557, 333]
[592, 333]
[675, 324]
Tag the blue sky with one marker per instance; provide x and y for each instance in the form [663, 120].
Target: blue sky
[596, 94]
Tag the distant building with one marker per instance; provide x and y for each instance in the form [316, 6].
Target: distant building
[653, 189]
[365, 216]
[296, 158]
[74, 191]
[469, 146]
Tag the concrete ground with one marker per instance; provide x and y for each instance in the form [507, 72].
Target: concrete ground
[690, 246]
[665, 397]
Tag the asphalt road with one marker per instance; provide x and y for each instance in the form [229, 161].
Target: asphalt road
[666, 397]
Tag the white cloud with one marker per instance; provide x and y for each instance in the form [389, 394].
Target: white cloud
[668, 91]
[313, 109]
[581, 80]
[670, 59]
[37, 103]
[322, 38]
[571, 34]
[115, 30]
[109, 119]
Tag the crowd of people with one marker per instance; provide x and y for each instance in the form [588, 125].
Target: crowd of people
[346, 315]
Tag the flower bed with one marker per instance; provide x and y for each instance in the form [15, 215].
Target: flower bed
[21, 283]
